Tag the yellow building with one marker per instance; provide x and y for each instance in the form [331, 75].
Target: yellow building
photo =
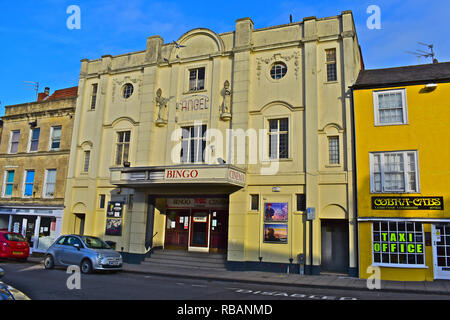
[401, 118]
[219, 143]
[34, 159]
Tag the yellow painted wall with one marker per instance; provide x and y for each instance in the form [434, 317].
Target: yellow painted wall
[427, 131]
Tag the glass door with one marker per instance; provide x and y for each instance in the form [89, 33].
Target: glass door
[199, 237]
[441, 250]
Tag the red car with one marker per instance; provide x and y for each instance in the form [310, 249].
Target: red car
[13, 245]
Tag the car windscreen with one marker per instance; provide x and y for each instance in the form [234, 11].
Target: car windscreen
[14, 237]
[95, 243]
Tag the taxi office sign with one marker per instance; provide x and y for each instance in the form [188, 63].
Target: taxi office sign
[408, 203]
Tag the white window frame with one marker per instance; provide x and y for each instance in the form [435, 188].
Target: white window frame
[405, 171]
[10, 142]
[116, 148]
[196, 88]
[30, 140]
[376, 107]
[5, 177]
[44, 191]
[277, 134]
[86, 161]
[329, 139]
[24, 184]
[94, 92]
[51, 139]
[198, 143]
[398, 265]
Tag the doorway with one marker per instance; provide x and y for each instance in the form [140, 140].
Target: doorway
[335, 251]
[199, 231]
[441, 250]
[177, 229]
[79, 223]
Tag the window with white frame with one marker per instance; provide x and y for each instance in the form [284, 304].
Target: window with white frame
[14, 141]
[390, 107]
[50, 182]
[8, 183]
[331, 64]
[122, 147]
[398, 243]
[55, 138]
[94, 96]
[333, 150]
[197, 79]
[393, 172]
[279, 138]
[34, 139]
[193, 144]
[28, 185]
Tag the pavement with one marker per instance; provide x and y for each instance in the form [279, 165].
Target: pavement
[325, 281]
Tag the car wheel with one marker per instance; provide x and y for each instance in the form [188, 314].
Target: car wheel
[86, 266]
[49, 263]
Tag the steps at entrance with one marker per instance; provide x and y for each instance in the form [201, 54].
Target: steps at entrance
[184, 259]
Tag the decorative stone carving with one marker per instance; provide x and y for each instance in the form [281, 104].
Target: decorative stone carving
[225, 113]
[137, 82]
[161, 104]
[279, 57]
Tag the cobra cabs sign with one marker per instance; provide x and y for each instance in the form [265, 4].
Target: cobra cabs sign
[407, 203]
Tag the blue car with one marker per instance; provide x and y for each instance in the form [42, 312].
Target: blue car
[89, 253]
[9, 293]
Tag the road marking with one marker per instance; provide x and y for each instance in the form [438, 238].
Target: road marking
[198, 285]
[36, 267]
[291, 295]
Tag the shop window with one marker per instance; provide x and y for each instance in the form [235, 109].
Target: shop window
[14, 141]
[122, 147]
[34, 139]
[331, 65]
[398, 243]
[55, 138]
[197, 79]
[279, 138]
[390, 107]
[193, 144]
[94, 96]
[255, 202]
[29, 183]
[392, 172]
[50, 182]
[9, 183]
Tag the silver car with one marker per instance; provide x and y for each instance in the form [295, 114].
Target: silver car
[89, 253]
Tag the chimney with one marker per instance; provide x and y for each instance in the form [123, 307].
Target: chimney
[43, 95]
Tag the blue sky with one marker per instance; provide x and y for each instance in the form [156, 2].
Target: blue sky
[37, 45]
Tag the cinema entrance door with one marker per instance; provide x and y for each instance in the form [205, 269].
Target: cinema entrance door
[197, 224]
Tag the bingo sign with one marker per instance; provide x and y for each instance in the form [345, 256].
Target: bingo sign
[194, 103]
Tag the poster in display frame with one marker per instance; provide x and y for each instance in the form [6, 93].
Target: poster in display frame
[113, 227]
[114, 209]
[276, 212]
[276, 233]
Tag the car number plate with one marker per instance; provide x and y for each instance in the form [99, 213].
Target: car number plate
[113, 263]
[17, 253]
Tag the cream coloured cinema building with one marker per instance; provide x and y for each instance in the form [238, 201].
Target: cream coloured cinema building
[219, 143]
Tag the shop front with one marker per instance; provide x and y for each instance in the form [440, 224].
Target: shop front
[196, 224]
[39, 226]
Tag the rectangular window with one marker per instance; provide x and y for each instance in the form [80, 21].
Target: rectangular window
[55, 138]
[331, 65]
[87, 157]
[14, 144]
[94, 96]
[29, 183]
[392, 172]
[398, 243]
[279, 138]
[333, 150]
[301, 202]
[255, 202]
[390, 107]
[102, 201]
[197, 79]
[122, 147]
[9, 183]
[50, 182]
[34, 139]
[193, 144]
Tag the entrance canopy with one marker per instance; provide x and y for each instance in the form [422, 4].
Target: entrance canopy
[216, 175]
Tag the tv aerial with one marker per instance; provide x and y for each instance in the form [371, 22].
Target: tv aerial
[34, 86]
[423, 54]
